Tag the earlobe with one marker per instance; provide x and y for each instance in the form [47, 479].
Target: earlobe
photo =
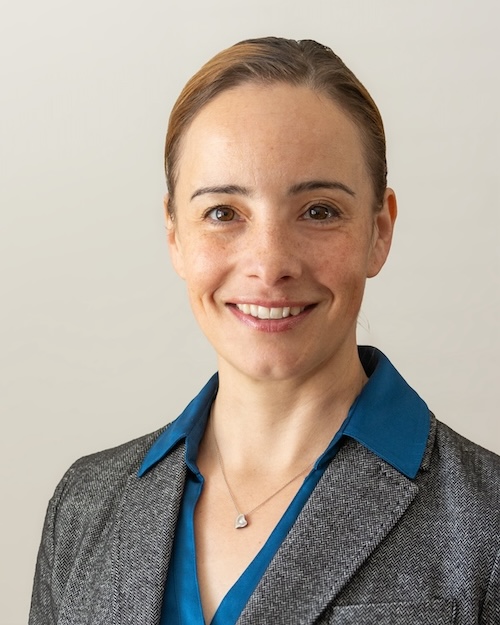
[174, 246]
[382, 233]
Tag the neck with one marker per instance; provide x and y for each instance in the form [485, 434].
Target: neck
[279, 424]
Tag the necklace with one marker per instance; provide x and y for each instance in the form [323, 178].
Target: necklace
[241, 518]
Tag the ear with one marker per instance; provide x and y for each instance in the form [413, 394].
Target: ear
[383, 228]
[174, 245]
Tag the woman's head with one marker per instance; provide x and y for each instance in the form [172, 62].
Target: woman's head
[278, 207]
[275, 60]
[274, 229]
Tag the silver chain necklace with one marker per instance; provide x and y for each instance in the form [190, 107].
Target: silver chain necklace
[241, 518]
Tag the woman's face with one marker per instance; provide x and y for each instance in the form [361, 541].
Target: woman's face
[274, 230]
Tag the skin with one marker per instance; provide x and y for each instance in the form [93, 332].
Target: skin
[273, 207]
[266, 140]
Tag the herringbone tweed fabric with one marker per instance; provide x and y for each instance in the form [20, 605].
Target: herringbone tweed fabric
[370, 545]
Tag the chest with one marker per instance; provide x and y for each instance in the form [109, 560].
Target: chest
[224, 553]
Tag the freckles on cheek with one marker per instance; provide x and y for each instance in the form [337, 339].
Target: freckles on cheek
[338, 266]
[207, 266]
[344, 275]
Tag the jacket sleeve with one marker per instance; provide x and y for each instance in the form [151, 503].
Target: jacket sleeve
[490, 614]
[46, 595]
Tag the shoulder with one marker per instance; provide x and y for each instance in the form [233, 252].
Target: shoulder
[95, 483]
[126, 457]
[472, 465]
[81, 521]
[463, 497]
[463, 479]
[87, 500]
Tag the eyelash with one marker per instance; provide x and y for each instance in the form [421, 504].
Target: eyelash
[334, 213]
[220, 207]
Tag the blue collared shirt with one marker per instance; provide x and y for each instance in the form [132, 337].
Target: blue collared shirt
[388, 418]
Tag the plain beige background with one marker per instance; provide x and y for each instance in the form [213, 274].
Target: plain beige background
[97, 342]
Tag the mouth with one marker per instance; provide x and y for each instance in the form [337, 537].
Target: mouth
[263, 312]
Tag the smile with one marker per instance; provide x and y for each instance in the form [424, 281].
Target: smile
[262, 312]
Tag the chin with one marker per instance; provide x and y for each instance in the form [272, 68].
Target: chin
[268, 367]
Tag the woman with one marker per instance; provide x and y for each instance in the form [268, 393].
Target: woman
[306, 483]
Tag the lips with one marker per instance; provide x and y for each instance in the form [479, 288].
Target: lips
[263, 312]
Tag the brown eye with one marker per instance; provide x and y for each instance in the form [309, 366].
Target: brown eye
[319, 212]
[222, 213]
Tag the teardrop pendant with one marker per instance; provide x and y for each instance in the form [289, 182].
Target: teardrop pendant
[240, 522]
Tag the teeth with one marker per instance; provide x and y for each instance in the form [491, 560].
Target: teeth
[262, 312]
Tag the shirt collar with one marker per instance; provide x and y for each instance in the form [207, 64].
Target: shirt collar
[189, 426]
[388, 418]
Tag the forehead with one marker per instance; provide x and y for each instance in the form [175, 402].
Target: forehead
[257, 131]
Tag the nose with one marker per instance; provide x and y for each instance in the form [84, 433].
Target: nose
[273, 253]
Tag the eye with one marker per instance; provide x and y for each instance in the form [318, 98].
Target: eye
[221, 213]
[321, 212]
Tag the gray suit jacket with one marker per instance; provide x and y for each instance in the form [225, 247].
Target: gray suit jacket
[370, 546]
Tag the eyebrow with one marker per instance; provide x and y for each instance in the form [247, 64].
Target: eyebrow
[227, 189]
[312, 185]
[300, 187]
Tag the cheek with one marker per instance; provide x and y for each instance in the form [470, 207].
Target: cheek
[342, 269]
[204, 267]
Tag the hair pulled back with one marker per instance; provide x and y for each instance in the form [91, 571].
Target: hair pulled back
[271, 60]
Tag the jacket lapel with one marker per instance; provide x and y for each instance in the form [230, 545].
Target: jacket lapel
[146, 527]
[356, 503]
